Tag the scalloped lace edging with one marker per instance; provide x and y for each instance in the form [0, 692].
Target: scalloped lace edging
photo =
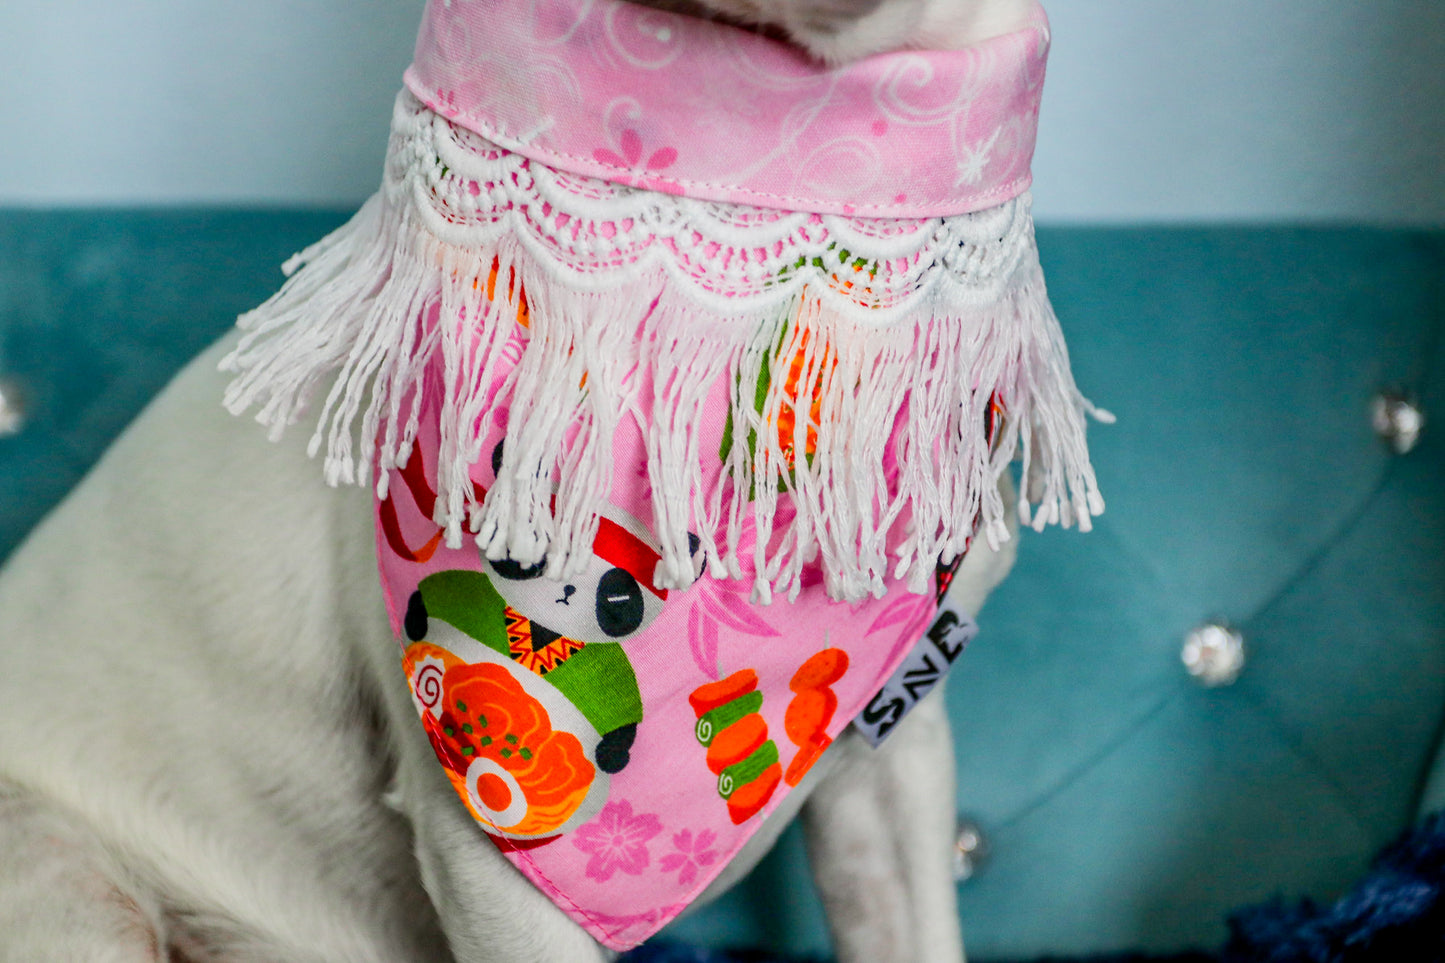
[491, 280]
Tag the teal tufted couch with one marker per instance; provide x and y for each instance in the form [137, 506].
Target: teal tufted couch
[1126, 806]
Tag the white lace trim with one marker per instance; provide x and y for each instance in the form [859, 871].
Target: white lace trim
[943, 316]
[731, 258]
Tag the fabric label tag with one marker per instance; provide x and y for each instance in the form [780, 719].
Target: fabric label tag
[934, 654]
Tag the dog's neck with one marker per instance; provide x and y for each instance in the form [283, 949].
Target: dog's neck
[838, 31]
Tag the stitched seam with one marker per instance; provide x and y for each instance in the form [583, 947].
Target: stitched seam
[1004, 192]
[562, 895]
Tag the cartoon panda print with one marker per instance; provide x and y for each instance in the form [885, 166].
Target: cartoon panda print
[538, 701]
[551, 622]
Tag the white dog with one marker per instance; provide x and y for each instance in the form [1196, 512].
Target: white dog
[206, 753]
[842, 30]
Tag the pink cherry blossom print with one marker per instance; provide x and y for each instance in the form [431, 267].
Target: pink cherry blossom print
[631, 157]
[617, 839]
[444, 102]
[692, 853]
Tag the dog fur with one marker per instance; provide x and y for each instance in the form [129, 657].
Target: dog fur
[208, 753]
[837, 31]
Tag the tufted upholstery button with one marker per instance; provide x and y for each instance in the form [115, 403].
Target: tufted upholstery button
[970, 850]
[12, 408]
[1214, 654]
[1397, 419]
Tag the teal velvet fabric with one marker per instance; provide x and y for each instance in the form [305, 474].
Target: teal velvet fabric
[1127, 807]
[98, 309]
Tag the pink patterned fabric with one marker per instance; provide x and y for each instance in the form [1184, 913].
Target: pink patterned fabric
[722, 705]
[637, 96]
[621, 786]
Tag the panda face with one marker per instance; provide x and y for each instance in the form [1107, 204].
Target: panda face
[603, 603]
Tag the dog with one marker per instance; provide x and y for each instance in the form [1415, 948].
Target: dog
[838, 31]
[207, 754]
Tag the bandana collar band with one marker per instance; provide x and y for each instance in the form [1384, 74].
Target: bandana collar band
[613, 90]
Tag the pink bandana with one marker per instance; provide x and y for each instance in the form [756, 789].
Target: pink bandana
[676, 104]
[652, 322]
[617, 741]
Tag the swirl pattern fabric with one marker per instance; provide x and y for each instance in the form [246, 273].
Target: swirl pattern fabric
[675, 104]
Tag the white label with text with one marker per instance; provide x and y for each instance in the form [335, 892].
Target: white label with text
[951, 630]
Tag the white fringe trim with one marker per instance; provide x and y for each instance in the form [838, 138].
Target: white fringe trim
[357, 307]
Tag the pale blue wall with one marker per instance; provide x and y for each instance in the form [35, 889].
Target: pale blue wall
[1156, 109]
[1228, 109]
[185, 101]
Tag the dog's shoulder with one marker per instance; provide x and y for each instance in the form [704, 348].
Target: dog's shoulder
[188, 666]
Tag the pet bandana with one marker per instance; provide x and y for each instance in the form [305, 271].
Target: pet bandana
[682, 366]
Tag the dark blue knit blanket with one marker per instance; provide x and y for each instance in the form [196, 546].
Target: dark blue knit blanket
[1396, 914]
